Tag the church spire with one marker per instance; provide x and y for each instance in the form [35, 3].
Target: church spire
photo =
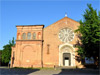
[65, 14]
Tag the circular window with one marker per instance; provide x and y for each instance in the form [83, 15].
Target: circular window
[66, 35]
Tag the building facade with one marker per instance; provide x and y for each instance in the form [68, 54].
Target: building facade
[51, 46]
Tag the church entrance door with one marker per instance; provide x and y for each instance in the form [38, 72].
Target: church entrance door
[66, 59]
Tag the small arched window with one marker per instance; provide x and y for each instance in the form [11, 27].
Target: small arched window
[34, 35]
[39, 35]
[24, 36]
[29, 35]
[18, 36]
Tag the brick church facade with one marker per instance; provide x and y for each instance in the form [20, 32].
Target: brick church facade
[51, 46]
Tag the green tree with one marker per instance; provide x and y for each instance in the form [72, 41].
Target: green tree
[6, 53]
[0, 56]
[90, 34]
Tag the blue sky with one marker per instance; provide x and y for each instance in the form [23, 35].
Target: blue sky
[32, 12]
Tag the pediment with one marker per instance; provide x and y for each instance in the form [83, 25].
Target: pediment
[65, 22]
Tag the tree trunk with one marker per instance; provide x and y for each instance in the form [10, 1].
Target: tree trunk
[96, 62]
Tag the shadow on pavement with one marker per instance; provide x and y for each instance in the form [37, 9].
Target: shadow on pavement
[15, 71]
[79, 72]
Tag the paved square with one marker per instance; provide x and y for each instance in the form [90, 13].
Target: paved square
[16, 71]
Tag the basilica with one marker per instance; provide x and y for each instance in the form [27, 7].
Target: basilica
[39, 46]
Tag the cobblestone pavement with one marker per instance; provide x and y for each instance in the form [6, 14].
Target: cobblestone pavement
[16, 71]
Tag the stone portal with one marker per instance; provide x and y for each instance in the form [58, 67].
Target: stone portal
[66, 55]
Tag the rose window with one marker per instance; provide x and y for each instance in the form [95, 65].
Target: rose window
[66, 35]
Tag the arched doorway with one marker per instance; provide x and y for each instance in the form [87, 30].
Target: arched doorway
[66, 55]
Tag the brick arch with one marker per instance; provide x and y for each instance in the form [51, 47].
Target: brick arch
[26, 46]
[66, 45]
[23, 36]
[66, 48]
[28, 54]
[39, 35]
[18, 36]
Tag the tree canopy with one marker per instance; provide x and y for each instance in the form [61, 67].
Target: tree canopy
[6, 52]
[90, 33]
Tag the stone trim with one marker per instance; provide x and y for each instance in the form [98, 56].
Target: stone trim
[72, 54]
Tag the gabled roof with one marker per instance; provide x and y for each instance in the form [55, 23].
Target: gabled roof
[65, 18]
